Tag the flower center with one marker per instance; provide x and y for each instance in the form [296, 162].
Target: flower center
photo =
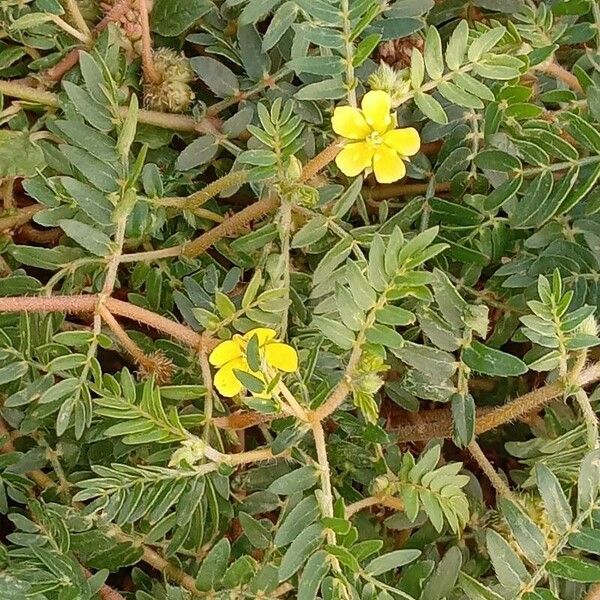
[375, 138]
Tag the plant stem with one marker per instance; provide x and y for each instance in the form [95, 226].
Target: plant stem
[283, 268]
[348, 52]
[210, 393]
[327, 499]
[487, 467]
[78, 35]
[295, 407]
[197, 199]
[7, 193]
[128, 344]
[150, 73]
[87, 303]
[236, 222]
[105, 592]
[438, 422]
[73, 10]
[384, 500]
[590, 418]
[552, 68]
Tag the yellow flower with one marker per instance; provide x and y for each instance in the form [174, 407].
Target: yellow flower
[376, 144]
[230, 356]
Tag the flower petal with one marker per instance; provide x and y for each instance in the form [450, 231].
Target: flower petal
[264, 334]
[354, 158]
[404, 141]
[226, 382]
[281, 356]
[350, 123]
[387, 165]
[224, 352]
[376, 107]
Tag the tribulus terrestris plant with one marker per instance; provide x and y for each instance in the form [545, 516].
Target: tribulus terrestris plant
[299, 299]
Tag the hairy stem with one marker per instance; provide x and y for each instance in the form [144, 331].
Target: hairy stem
[197, 199]
[327, 499]
[128, 344]
[487, 467]
[383, 500]
[86, 304]
[75, 14]
[590, 418]
[553, 69]
[147, 61]
[438, 422]
[210, 393]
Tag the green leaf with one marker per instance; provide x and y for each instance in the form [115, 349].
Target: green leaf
[386, 336]
[497, 160]
[297, 481]
[311, 232]
[457, 46]
[587, 539]
[281, 21]
[258, 535]
[213, 567]
[431, 108]
[444, 578]
[527, 534]
[476, 590]
[13, 371]
[458, 96]
[199, 152]
[434, 61]
[336, 332]
[220, 79]
[536, 196]
[317, 65]
[328, 89]
[18, 155]
[510, 570]
[485, 43]
[256, 10]
[88, 237]
[314, 572]
[463, 418]
[554, 499]
[299, 518]
[365, 48]
[172, 17]
[575, 569]
[91, 110]
[391, 560]
[299, 550]
[490, 361]
[588, 484]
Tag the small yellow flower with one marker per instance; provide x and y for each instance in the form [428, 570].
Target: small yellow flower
[376, 144]
[230, 356]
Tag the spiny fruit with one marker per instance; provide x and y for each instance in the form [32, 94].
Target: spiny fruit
[171, 92]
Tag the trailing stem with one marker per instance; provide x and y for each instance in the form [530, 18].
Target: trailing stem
[487, 467]
[325, 474]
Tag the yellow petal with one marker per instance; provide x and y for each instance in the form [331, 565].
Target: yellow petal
[376, 106]
[404, 141]
[224, 352]
[281, 356]
[226, 382]
[387, 165]
[264, 334]
[350, 123]
[354, 158]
